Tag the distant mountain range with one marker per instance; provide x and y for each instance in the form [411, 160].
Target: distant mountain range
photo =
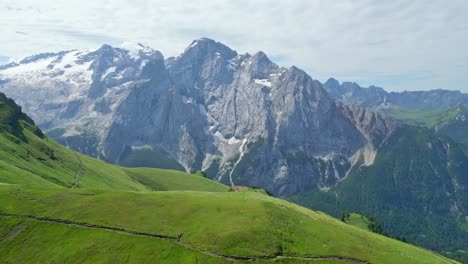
[377, 98]
[442, 110]
[244, 120]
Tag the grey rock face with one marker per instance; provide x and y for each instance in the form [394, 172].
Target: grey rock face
[240, 117]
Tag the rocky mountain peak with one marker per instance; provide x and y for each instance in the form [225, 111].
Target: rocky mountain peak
[333, 87]
[259, 65]
[261, 58]
[112, 66]
[137, 51]
[209, 108]
[350, 86]
[332, 82]
[203, 47]
[298, 81]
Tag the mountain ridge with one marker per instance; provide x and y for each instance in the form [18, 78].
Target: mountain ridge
[378, 98]
[235, 101]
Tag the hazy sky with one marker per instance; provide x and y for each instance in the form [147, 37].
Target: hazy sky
[399, 45]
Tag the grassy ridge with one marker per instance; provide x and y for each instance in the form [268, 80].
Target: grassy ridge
[42, 162]
[235, 224]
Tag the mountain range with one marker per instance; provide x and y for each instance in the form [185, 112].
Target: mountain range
[444, 111]
[243, 120]
[377, 98]
[208, 109]
[59, 206]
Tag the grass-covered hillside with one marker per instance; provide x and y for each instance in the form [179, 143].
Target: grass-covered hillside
[80, 225]
[414, 189]
[57, 206]
[28, 158]
[451, 122]
[358, 220]
[427, 118]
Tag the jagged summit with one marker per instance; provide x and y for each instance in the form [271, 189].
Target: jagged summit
[137, 49]
[332, 82]
[206, 45]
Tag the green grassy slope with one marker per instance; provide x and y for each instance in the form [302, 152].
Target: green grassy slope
[427, 118]
[240, 224]
[54, 243]
[358, 221]
[43, 162]
[365, 223]
[28, 158]
[450, 122]
[58, 206]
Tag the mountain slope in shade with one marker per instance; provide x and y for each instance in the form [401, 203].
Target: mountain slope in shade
[416, 189]
[456, 125]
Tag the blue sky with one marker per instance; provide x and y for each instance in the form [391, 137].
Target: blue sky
[398, 45]
[4, 59]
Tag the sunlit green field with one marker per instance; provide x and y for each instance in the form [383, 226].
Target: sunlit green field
[58, 206]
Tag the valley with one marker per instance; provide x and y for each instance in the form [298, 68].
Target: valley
[237, 120]
[112, 214]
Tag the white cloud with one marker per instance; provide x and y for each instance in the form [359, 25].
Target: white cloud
[396, 44]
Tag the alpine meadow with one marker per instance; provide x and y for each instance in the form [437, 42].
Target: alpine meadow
[161, 131]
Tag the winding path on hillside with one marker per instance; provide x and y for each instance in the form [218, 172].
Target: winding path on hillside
[177, 240]
[78, 172]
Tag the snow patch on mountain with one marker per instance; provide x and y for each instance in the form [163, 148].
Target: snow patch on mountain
[263, 82]
[108, 71]
[136, 49]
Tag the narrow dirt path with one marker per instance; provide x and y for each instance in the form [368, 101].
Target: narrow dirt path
[178, 240]
[78, 172]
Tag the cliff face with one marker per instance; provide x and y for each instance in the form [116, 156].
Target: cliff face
[240, 117]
